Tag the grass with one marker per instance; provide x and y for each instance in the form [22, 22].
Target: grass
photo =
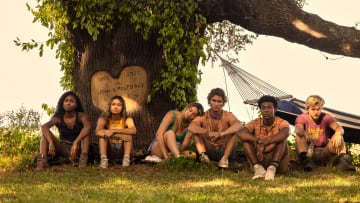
[175, 181]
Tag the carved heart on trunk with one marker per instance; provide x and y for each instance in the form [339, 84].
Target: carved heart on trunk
[131, 84]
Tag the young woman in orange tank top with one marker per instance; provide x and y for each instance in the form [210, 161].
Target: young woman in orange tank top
[114, 128]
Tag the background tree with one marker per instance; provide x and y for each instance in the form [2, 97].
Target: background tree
[167, 38]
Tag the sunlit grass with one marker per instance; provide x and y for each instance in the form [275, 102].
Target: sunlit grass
[175, 181]
[144, 183]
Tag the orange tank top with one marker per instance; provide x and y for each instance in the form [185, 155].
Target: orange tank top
[113, 125]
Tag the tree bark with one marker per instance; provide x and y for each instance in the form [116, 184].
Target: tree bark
[282, 18]
[112, 52]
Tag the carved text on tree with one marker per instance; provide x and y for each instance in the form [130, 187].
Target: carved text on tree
[132, 85]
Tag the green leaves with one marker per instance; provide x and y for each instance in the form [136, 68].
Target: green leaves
[177, 25]
[26, 46]
[179, 32]
[94, 16]
[226, 37]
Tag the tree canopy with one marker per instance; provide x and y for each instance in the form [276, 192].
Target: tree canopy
[184, 31]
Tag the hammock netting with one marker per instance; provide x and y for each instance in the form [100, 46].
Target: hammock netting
[251, 88]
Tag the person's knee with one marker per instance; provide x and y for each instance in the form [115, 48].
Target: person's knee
[300, 144]
[129, 138]
[126, 138]
[247, 145]
[197, 137]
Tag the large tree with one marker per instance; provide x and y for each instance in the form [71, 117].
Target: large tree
[148, 50]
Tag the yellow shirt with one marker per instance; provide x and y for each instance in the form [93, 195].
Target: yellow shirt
[113, 125]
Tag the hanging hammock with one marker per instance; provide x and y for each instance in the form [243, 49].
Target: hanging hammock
[251, 88]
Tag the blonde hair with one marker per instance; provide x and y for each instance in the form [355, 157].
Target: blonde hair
[314, 100]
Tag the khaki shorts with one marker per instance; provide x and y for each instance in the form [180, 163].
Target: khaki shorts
[322, 155]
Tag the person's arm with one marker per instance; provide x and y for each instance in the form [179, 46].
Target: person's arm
[337, 128]
[195, 126]
[45, 130]
[100, 130]
[281, 136]
[246, 136]
[338, 133]
[301, 132]
[129, 130]
[235, 126]
[186, 142]
[85, 131]
[165, 123]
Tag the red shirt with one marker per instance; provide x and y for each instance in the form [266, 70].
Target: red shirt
[319, 131]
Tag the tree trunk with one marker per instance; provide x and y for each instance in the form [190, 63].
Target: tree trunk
[111, 54]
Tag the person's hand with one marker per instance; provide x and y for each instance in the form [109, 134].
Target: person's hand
[308, 137]
[214, 135]
[263, 142]
[108, 133]
[51, 151]
[338, 140]
[74, 149]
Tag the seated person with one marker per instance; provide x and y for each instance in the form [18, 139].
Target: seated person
[172, 135]
[215, 133]
[312, 128]
[265, 141]
[74, 128]
[114, 129]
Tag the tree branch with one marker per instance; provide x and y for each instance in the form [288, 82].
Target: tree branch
[286, 20]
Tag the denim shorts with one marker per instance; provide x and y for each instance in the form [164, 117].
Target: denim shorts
[216, 154]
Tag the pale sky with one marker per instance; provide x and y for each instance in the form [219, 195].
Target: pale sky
[29, 80]
[297, 69]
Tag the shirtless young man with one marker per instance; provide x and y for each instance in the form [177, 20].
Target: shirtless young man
[215, 133]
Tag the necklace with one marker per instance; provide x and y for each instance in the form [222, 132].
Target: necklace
[217, 121]
[216, 116]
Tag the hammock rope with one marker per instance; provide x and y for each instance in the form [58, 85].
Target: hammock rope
[249, 86]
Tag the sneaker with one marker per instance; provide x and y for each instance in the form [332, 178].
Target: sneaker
[75, 161]
[223, 163]
[259, 171]
[308, 165]
[41, 163]
[153, 159]
[345, 164]
[83, 160]
[104, 163]
[270, 172]
[126, 161]
[204, 158]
